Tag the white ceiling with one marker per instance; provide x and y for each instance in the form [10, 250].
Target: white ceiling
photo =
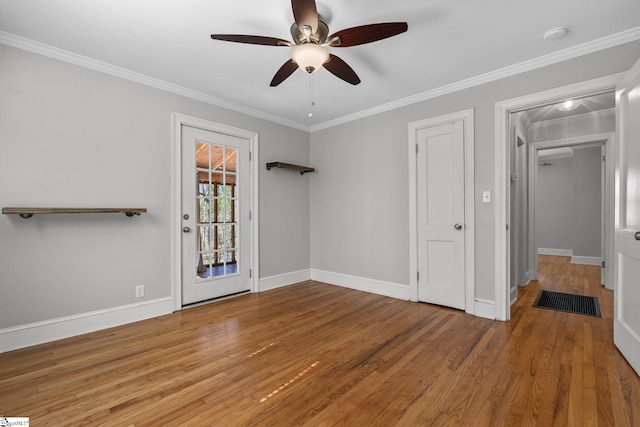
[447, 42]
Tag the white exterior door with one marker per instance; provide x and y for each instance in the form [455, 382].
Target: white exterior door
[441, 214]
[626, 323]
[215, 215]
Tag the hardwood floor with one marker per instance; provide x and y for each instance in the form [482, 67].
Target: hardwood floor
[319, 355]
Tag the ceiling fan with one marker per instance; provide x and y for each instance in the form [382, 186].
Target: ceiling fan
[310, 40]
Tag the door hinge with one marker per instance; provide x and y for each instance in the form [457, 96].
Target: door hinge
[249, 215]
[604, 157]
[603, 263]
[250, 273]
[416, 148]
[418, 275]
[507, 227]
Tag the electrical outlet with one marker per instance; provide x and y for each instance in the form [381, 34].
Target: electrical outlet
[139, 291]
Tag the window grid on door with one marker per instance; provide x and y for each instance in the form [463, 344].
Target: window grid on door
[218, 233]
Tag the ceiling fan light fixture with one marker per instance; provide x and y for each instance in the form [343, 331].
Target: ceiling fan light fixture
[309, 56]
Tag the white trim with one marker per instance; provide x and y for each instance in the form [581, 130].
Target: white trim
[625, 337]
[627, 342]
[501, 181]
[514, 294]
[532, 64]
[389, 289]
[177, 121]
[485, 308]
[592, 115]
[286, 279]
[103, 67]
[467, 116]
[586, 260]
[50, 330]
[555, 252]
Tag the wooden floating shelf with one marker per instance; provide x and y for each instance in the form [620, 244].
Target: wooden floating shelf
[29, 212]
[301, 169]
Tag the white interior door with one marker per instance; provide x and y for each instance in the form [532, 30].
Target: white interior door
[626, 324]
[215, 215]
[440, 215]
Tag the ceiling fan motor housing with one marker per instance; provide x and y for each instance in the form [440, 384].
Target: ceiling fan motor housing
[319, 37]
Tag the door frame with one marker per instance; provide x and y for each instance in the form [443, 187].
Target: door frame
[177, 121]
[501, 179]
[605, 140]
[469, 204]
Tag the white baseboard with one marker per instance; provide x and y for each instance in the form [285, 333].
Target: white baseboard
[373, 286]
[485, 308]
[280, 280]
[50, 330]
[588, 260]
[556, 252]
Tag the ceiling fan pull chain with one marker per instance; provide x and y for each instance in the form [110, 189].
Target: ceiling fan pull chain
[312, 102]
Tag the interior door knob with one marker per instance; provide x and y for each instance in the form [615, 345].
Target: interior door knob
[186, 230]
[458, 227]
[637, 235]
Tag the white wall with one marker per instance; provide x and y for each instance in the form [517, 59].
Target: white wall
[73, 137]
[581, 125]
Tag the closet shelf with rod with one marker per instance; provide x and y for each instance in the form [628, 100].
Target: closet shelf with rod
[29, 212]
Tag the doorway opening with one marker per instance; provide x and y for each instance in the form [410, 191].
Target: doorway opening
[214, 211]
[558, 185]
[551, 136]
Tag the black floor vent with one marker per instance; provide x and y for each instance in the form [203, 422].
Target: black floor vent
[569, 303]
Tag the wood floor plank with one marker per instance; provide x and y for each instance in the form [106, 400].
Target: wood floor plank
[313, 354]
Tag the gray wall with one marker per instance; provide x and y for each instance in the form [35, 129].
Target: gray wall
[554, 204]
[568, 203]
[70, 137]
[519, 196]
[587, 202]
[359, 198]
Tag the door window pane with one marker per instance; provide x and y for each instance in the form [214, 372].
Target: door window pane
[217, 195]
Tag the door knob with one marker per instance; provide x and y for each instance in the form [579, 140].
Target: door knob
[186, 230]
[637, 235]
[458, 227]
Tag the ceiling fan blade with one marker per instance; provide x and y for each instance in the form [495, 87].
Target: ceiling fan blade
[368, 33]
[284, 72]
[261, 40]
[341, 69]
[305, 14]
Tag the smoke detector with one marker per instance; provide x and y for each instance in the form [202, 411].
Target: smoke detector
[555, 33]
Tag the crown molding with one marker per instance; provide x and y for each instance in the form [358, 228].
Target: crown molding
[542, 61]
[553, 58]
[103, 67]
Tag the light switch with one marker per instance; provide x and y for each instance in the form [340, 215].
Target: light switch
[486, 196]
